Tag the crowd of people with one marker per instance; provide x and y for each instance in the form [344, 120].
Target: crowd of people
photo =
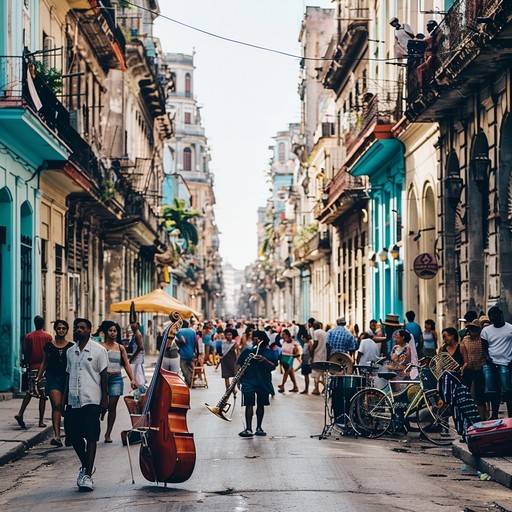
[83, 378]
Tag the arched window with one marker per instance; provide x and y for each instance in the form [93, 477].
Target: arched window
[188, 85]
[281, 152]
[187, 159]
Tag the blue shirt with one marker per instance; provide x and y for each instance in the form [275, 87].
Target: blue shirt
[187, 349]
[341, 340]
[415, 330]
[258, 376]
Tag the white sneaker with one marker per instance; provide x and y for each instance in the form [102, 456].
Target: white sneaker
[81, 474]
[87, 484]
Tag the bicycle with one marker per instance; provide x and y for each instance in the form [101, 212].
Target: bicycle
[373, 412]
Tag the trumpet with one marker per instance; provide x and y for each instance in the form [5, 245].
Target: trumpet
[223, 406]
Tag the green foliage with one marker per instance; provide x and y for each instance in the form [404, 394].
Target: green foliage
[178, 217]
[108, 190]
[304, 234]
[52, 76]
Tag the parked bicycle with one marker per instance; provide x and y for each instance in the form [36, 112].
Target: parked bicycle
[373, 412]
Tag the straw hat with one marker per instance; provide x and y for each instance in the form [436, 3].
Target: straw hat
[392, 320]
[475, 324]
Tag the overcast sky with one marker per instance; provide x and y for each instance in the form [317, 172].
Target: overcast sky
[247, 95]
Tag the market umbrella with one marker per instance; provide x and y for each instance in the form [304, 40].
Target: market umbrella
[156, 301]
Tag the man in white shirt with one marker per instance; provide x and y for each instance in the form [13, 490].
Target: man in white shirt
[319, 353]
[497, 346]
[368, 351]
[403, 34]
[86, 398]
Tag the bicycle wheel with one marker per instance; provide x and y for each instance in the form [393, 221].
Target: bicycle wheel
[434, 419]
[371, 413]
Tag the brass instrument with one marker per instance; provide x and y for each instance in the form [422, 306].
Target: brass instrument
[223, 406]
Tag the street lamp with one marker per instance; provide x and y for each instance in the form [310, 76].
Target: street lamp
[454, 186]
[395, 252]
[372, 257]
[480, 165]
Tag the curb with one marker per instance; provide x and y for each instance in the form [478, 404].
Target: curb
[20, 449]
[499, 468]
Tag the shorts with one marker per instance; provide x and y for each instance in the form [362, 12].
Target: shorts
[253, 397]
[497, 378]
[55, 383]
[218, 347]
[82, 423]
[115, 384]
[305, 369]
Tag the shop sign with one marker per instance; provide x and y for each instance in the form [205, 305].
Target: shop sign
[425, 266]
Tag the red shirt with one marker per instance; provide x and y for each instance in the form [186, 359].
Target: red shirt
[33, 348]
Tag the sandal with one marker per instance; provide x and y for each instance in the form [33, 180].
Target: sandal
[56, 442]
[42, 425]
[294, 390]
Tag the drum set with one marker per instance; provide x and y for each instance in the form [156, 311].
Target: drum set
[340, 386]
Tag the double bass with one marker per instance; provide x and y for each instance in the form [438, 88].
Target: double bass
[167, 452]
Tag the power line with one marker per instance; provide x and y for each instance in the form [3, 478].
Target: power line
[251, 45]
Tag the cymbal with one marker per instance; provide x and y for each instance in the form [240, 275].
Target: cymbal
[326, 366]
[343, 359]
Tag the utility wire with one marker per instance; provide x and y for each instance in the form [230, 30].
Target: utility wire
[258, 47]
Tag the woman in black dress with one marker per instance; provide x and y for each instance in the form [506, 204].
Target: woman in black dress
[54, 369]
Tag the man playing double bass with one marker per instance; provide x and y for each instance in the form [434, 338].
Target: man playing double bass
[256, 383]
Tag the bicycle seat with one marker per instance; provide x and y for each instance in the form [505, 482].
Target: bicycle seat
[387, 375]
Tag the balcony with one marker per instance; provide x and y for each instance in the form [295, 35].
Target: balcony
[343, 54]
[469, 46]
[315, 248]
[373, 120]
[97, 20]
[341, 193]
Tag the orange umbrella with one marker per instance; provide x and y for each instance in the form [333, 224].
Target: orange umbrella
[156, 301]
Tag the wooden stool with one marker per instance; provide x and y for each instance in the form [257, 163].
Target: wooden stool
[199, 379]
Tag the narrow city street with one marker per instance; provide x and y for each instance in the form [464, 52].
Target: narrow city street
[287, 470]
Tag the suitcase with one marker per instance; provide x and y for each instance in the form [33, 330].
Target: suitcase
[492, 437]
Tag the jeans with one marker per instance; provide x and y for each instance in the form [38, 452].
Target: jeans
[497, 378]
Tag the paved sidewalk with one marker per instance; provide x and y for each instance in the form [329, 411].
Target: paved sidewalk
[14, 441]
[498, 468]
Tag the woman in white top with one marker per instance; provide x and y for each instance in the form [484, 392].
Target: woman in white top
[117, 359]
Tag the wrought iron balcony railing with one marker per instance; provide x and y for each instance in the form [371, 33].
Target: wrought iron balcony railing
[460, 38]
[32, 92]
[381, 109]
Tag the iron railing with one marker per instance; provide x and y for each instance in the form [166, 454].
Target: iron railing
[454, 31]
[41, 100]
[383, 108]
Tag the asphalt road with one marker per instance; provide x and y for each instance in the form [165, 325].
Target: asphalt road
[287, 470]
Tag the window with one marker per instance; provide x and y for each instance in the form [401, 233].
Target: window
[59, 258]
[188, 118]
[74, 293]
[187, 159]
[44, 255]
[188, 85]
[281, 152]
